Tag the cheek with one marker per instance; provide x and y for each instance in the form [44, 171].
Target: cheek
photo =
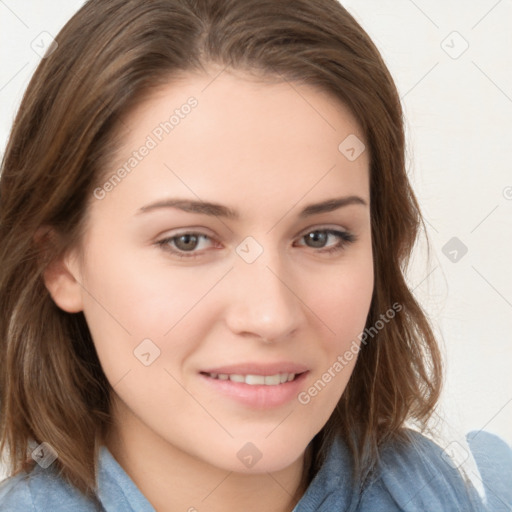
[127, 301]
[343, 306]
[342, 299]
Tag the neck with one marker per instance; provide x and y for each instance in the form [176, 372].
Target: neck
[172, 479]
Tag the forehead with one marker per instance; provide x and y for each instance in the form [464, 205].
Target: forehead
[226, 134]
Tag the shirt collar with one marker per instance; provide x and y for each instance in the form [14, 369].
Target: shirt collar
[116, 490]
[330, 489]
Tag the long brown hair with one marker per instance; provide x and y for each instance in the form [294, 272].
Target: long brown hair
[109, 54]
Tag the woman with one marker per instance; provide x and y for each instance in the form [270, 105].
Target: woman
[205, 218]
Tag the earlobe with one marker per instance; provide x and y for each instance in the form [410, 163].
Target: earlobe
[61, 276]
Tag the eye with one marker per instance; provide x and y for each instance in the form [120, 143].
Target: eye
[319, 237]
[184, 242]
[184, 245]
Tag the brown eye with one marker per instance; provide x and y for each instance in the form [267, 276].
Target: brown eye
[183, 243]
[186, 242]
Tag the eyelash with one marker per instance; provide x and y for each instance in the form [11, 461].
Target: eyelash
[345, 238]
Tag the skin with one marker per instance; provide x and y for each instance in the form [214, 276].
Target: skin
[266, 150]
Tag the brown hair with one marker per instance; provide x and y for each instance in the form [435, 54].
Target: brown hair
[110, 53]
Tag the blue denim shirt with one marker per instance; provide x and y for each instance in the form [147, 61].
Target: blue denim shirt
[412, 478]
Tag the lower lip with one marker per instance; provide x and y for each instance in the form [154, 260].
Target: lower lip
[258, 396]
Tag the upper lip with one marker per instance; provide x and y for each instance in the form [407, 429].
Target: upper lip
[259, 368]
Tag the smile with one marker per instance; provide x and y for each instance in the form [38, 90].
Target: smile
[255, 380]
[255, 390]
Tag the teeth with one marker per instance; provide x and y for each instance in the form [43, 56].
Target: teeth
[256, 380]
[252, 379]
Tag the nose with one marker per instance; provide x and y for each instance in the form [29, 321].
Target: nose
[262, 300]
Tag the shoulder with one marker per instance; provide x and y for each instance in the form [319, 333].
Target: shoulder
[417, 474]
[15, 495]
[40, 490]
[494, 461]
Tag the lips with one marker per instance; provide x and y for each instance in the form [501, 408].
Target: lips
[257, 385]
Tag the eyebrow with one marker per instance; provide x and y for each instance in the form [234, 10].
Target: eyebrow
[219, 210]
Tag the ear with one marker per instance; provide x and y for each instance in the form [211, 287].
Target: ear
[61, 276]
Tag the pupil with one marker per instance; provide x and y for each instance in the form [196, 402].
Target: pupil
[187, 239]
[316, 235]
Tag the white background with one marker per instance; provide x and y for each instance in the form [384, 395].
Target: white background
[459, 123]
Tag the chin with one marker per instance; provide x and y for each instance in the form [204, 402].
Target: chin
[261, 455]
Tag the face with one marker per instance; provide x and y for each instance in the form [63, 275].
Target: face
[200, 313]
